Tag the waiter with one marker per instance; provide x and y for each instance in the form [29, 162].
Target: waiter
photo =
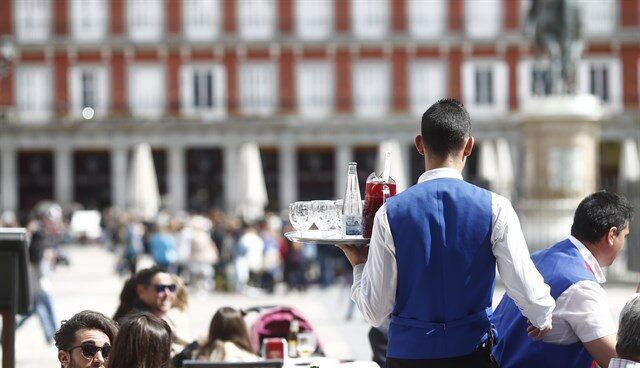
[431, 261]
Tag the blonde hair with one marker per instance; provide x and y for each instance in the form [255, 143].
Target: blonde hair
[182, 297]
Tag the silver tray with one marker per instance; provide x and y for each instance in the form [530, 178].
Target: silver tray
[332, 237]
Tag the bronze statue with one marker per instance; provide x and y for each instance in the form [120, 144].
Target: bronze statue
[557, 29]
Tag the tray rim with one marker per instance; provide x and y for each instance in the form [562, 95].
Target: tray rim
[353, 240]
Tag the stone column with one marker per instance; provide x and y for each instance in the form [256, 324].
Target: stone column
[63, 175]
[230, 173]
[343, 155]
[560, 135]
[8, 178]
[288, 173]
[119, 176]
[177, 178]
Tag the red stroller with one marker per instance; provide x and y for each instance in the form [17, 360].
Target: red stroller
[274, 321]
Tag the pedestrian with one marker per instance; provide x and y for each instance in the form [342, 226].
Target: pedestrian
[431, 261]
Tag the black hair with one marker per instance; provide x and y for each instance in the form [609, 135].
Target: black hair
[66, 334]
[144, 277]
[628, 345]
[598, 213]
[445, 126]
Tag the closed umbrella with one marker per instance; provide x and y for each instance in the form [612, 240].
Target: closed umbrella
[487, 165]
[251, 195]
[505, 168]
[629, 162]
[143, 194]
[398, 171]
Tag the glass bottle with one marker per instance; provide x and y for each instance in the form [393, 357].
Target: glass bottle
[352, 204]
[292, 338]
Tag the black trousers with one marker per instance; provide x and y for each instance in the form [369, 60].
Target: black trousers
[480, 358]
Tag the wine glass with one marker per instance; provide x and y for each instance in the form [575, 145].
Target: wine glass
[336, 222]
[323, 214]
[300, 215]
[306, 344]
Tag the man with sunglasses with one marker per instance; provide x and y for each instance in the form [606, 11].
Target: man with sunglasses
[84, 340]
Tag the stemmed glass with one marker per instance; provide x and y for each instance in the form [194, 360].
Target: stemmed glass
[300, 215]
[306, 344]
[324, 213]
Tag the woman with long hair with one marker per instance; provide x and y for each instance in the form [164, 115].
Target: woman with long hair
[228, 339]
[143, 341]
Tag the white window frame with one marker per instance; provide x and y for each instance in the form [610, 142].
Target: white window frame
[29, 110]
[500, 85]
[219, 90]
[75, 89]
[201, 19]
[257, 19]
[370, 19]
[599, 18]
[475, 26]
[96, 15]
[369, 101]
[32, 26]
[258, 88]
[135, 89]
[315, 88]
[525, 69]
[150, 31]
[428, 75]
[427, 19]
[314, 18]
[614, 83]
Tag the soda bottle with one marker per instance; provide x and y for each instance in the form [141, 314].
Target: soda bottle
[352, 204]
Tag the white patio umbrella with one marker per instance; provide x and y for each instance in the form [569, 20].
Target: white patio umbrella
[487, 163]
[398, 171]
[505, 168]
[143, 193]
[629, 170]
[251, 195]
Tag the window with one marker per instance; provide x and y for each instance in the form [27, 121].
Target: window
[372, 87]
[201, 19]
[146, 90]
[485, 86]
[602, 77]
[534, 79]
[256, 19]
[33, 92]
[33, 20]
[314, 88]
[258, 89]
[427, 84]
[599, 17]
[427, 18]
[202, 90]
[88, 88]
[145, 19]
[89, 20]
[483, 18]
[314, 18]
[370, 18]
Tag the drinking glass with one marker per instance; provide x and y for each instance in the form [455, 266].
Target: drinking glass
[323, 214]
[306, 344]
[300, 215]
[336, 222]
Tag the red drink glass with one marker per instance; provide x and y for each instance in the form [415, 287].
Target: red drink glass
[373, 200]
[274, 348]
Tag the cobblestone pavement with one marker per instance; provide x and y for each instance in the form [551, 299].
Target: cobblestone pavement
[90, 283]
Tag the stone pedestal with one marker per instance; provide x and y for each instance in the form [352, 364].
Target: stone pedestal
[560, 135]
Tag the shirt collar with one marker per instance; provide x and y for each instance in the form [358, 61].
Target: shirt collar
[443, 172]
[589, 259]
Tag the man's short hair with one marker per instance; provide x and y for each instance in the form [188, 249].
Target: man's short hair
[445, 126]
[628, 345]
[598, 213]
[66, 334]
[144, 277]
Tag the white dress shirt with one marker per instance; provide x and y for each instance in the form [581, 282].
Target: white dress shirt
[623, 363]
[375, 282]
[582, 311]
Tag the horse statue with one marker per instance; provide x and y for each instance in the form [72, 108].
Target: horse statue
[556, 28]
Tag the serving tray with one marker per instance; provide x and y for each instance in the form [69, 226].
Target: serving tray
[331, 237]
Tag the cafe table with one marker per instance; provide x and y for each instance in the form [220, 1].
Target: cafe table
[324, 362]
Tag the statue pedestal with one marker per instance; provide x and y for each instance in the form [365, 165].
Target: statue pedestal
[560, 154]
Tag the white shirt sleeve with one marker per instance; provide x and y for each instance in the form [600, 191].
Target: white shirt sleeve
[375, 282]
[584, 309]
[522, 281]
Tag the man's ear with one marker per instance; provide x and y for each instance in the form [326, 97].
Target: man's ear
[64, 358]
[468, 146]
[419, 144]
[611, 235]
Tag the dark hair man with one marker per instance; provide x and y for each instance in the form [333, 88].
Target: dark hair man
[84, 340]
[584, 329]
[628, 346]
[432, 257]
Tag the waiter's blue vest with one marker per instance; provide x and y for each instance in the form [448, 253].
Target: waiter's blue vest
[561, 265]
[446, 269]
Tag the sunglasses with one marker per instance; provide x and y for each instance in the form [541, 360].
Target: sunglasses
[89, 350]
[160, 288]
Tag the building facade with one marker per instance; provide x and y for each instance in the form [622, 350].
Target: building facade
[316, 83]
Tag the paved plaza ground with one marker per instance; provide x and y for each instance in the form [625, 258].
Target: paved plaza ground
[90, 283]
